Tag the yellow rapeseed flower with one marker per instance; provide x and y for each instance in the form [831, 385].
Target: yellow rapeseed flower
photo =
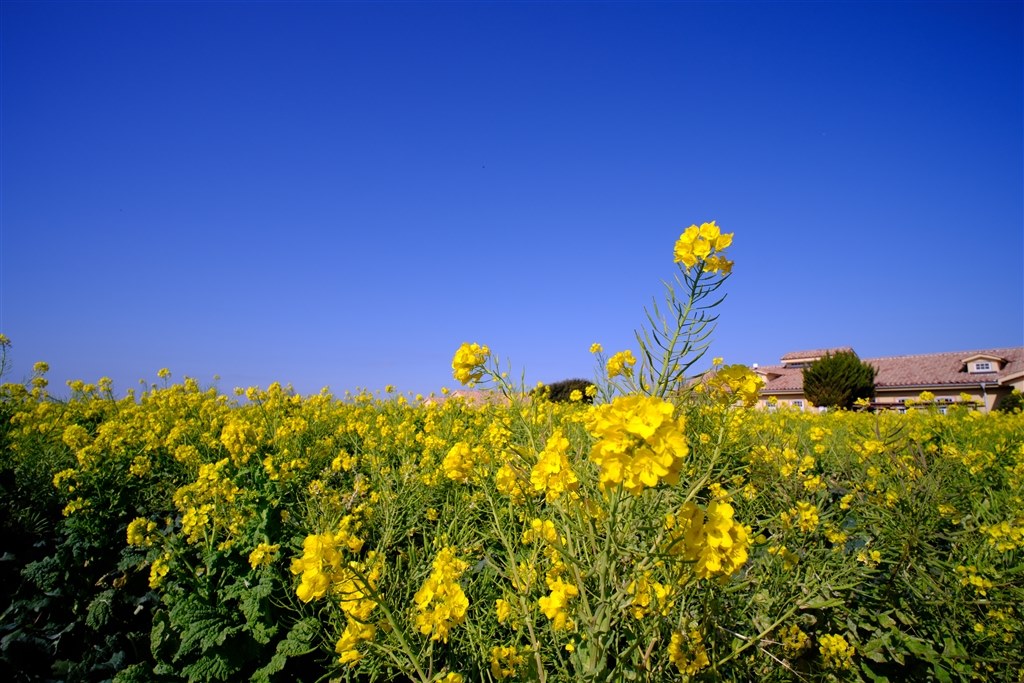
[555, 604]
[638, 442]
[458, 463]
[503, 609]
[467, 365]
[263, 555]
[704, 243]
[620, 363]
[139, 532]
[804, 516]
[552, 475]
[837, 653]
[688, 653]
[506, 661]
[794, 640]
[715, 543]
[440, 602]
[734, 383]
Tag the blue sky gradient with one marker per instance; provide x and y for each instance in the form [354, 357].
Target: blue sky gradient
[339, 194]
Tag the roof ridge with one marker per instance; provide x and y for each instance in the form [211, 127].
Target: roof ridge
[946, 353]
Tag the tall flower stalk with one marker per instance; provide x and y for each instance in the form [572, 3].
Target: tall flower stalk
[678, 333]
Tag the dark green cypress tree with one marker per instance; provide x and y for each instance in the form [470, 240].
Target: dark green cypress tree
[560, 392]
[838, 379]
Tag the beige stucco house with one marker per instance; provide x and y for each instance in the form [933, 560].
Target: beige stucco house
[983, 375]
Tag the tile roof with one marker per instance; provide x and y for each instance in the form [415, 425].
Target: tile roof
[925, 370]
[815, 353]
[473, 397]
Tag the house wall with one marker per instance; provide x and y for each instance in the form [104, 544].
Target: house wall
[986, 399]
[788, 400]
[898, 396]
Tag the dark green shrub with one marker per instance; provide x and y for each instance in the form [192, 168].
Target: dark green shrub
[560, 392]
[1010, 403]
[837, 380]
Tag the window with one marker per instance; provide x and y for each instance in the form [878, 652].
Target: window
[798, 403]
[983, 366]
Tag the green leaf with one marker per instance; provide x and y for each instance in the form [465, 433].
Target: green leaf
[296, 643]
[920, 648]
[871, 675]
[100, 610]
[213, 668]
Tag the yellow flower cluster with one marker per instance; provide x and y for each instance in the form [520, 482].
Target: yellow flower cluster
[804, 517]
[789, 558]
[140, 532]
[354, 590]
[458, 464]
[794, 640]
[836, 536]
[209, 505]
[321, 561]
[869, 558]
[736, 383]
[969, 576]
[440, 601]
[837, 653]
[506, 661]
[552, 474]
[555, 605]
[351, 583]
[503, 609]
[1005, 536]
[999, 623]
[649, 596]
[159, 569]
[510, 483]
[263, 555]
[638, 443]
[620, 363]
[688, 653]
[540, 529]
[705, 243]
[713, 541]
[240, 439]
[467, 365]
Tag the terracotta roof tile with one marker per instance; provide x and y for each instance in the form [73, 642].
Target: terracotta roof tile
[815, 353]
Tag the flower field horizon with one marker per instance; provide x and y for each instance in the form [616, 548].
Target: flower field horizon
[654, 526]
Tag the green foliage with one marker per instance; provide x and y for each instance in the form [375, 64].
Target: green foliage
[1010, 403]
[837, 380]
[934, 494]
[561, 392]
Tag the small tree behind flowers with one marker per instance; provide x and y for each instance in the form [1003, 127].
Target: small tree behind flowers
[838, 380]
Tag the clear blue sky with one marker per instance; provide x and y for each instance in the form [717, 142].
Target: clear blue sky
[340, 194]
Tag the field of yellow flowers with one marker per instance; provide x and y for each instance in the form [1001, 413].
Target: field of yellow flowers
[652, 528]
